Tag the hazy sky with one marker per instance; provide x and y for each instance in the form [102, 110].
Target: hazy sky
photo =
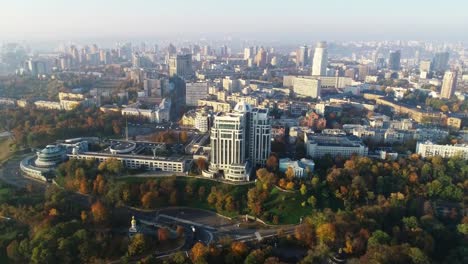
[325, 19]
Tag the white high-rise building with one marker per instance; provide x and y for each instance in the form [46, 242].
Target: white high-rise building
[260, 136]
[319, 66]
[239, 140]
[248, 53]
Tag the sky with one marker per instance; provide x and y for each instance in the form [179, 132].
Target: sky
[275, 19]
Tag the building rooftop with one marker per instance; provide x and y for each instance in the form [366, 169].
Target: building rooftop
[334, 140]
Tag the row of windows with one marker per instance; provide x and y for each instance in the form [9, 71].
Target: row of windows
[165, 166]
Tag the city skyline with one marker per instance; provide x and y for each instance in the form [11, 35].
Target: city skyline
[54, 20]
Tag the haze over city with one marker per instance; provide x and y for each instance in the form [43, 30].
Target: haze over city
[283, 21]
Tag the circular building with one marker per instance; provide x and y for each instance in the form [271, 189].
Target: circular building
[122, 147]
[50, 156]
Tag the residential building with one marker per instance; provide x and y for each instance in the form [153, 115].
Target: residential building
[181, 65]
[449, 84]
[429, 149]
[319, 145]
[195, 91]
[307, 87]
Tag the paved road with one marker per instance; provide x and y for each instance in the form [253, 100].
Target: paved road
[11, 174]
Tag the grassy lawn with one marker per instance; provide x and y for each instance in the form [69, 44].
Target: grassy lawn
[287, 206]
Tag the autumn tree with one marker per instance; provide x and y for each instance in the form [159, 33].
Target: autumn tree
[305, 233]
[99, 185]
[201, 164]
[173, 198]
[198, 252]
[239, 248]
[99, 212]
[149, 200]
[272, 162]
[163, 234]
[183, 136]
[180, 231]
[326, 233]
[289, 173]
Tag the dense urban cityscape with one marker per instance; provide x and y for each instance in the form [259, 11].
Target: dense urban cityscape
[234, 150]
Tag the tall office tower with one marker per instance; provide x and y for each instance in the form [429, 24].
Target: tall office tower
[105, 57]
[248, 53]
[223, 51]
[261, 58]
[363, 71]
[136, 60]
[239, 140]
[94, 48]
[228, 146]
[394, 60]
[319, 67]
[449, 84]
[302, 56]
[260, 136]
[375, 56]
[171, 49]
[37, 67]
[440, 61]
[181, 65]
[416, 57]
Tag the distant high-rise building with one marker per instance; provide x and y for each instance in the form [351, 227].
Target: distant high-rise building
[181, 65]
[440, 61]
[394, 63]
[363, 71]
[195, 91]
[319, 67]
[261, 58]
[37, 67]
[171, 49]
[416, 57]
[260, 136]
[239, 141]
[425, 66]
[248, 53]
[449, 84]
[302, 56]
[136, 60]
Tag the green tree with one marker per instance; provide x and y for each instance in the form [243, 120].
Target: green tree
[378, 237]
[303, 189]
